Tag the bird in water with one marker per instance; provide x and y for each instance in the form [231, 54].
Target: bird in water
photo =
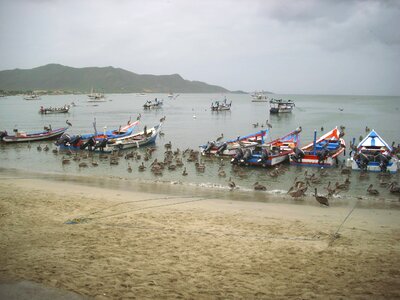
[259, 187]
[129, 168]
[184, 173]
[322, 128]
[68, 123]
[142, 167]
[321, 199]
[341, 109]
[367, 129]
[231, 184]
[372, 191]
[39, 148]
[268, 124]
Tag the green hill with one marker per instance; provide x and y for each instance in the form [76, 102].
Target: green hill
[53, 77]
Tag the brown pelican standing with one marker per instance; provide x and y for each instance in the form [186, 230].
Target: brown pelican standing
[372, 191]
[321, 199]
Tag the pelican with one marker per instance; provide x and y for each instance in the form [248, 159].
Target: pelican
[394, 187]
[65, 161]
[68, 123]
[83, 165]
[341, 109]
[231, 184]
[129, 168]
[321, 199]
[259, 187]
[46, 148]
[297, 193]
[162, 119]
[184, 173]
[372, 191]
[142, 167]
[268, 124]
[221, 172]
[220, 138]
[39, 148]
[322, 128]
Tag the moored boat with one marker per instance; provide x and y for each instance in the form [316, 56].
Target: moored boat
[89, 141]
[153, 104]
[96, 97]
[21, 136]
[269, 154]
[221, 106]
[54, 110]
[259, 97]
[143, 138]
[229, 147]
[373, 154]
[322, 152]
[32, 97]
[281, 106]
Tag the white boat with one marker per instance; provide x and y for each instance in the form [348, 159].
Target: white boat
[32, 97]
[281, 106]
[221, 106]
[373, 154]
[146, 137]
[259, 97]
[96, 97]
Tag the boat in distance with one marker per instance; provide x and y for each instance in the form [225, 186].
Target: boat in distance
[322, 152]
[32, 97]
[373, 154]
[229, 147]
[21, 136]
[54, 110]
[281, 106]
[268, 154]
[136, 140]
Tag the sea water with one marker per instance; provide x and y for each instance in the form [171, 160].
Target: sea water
[190, 123]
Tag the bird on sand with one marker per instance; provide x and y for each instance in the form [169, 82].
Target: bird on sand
[321, 199]
[259, 187]
[372, 191]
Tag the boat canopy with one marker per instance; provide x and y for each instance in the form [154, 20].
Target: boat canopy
[373, 140]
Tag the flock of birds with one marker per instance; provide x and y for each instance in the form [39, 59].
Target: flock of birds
[177, 159]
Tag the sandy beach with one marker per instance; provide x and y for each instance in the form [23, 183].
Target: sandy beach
[132, 243]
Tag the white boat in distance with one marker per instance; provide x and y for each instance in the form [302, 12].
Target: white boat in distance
[32, 97]
[96, 97]
[259, 97]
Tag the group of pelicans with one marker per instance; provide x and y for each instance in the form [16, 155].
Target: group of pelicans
[176, 159]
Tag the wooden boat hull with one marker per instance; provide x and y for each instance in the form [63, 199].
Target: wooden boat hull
[323, 152]
[40, 136]
[134, 141]
[274, 159]
[229, 148]
[51, 111]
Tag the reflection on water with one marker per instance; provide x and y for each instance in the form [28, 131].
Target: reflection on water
[190, 123]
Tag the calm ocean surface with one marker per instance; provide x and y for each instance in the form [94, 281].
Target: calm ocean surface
[190, 123]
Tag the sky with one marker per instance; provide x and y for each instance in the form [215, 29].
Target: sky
[349, 47]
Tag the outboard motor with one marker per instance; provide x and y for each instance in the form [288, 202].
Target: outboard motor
[298, 155]
[322, 155]
[238, 156]
[3, 134]
[209, 147]
[63, 140]
[222, 148]
[383, 161]
[89, 144]
[101, 144]
[363, 162]
[246, 156]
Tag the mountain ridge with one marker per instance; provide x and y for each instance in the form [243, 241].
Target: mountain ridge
[52, 77]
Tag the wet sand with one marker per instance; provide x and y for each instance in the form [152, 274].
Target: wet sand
[131, 243]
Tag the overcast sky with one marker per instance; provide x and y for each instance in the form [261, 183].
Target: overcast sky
[307, 47]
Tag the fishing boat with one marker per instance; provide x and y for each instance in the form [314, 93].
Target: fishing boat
[54, 110]
[153, 104]
[21, 136]
[259, 97]
[268, 154]
[281, 106]
[373, 154]
[229, 147]
[32, 97]
[221, 106]
[96, 97]
[322, 152]
[89, 141]
[143, 138]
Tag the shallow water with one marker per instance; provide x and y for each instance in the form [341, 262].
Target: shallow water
[190, 123]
